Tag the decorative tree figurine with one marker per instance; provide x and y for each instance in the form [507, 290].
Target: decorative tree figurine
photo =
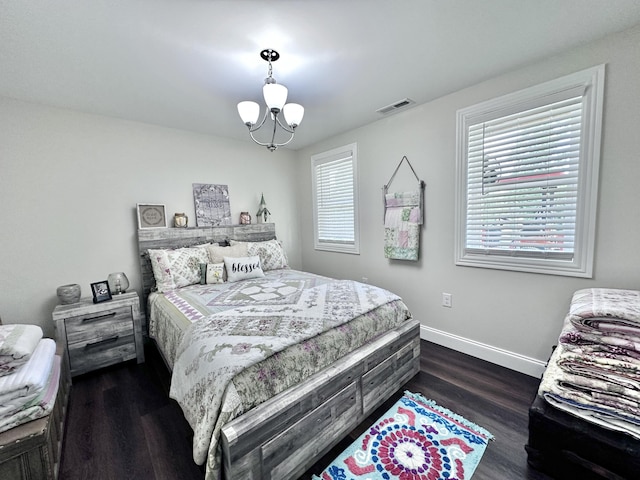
[263, 211]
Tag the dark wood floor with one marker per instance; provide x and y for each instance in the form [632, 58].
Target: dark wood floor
[122, 425]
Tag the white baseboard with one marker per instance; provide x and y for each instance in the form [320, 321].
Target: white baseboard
[504, 358]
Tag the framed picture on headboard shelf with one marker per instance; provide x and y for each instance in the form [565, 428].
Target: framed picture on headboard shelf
[151, 215]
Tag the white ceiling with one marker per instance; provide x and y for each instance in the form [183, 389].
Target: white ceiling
[186, 64]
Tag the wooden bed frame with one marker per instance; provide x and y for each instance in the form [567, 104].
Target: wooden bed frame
[285, 436]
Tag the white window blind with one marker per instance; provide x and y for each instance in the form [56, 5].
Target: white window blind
[335, 200]
[527, 178]
[523, 182]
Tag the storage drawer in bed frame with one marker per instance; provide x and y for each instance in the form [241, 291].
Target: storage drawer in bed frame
[282, 437]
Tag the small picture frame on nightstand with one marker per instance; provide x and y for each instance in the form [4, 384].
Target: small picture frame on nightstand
[101, 292]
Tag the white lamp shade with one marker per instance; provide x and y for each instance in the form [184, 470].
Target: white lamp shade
[275, 95]
[293, 114]
[249, 112]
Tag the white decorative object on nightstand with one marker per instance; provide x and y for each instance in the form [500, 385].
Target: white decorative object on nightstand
[100, 334]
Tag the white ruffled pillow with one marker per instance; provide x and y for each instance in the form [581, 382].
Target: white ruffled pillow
[243, 268]
[177, 268]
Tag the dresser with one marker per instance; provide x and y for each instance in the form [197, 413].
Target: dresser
[100, 334]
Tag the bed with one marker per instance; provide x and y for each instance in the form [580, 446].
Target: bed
[296, 395]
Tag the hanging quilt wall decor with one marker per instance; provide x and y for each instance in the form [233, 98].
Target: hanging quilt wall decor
[403, 218]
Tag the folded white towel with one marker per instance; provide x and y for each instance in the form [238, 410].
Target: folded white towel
[38, 407]
[30, 379]
[17, 343]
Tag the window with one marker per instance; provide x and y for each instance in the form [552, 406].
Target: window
[335, 200]
[527, 175]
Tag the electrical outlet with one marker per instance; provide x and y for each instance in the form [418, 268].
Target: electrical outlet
[446, 300]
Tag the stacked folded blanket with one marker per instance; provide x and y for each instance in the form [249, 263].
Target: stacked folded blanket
[17, 343]
[594, 373]
[29, 392]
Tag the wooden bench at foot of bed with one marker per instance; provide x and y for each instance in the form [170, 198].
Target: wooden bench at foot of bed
[283, 437]
[565, 446]
[32, 450]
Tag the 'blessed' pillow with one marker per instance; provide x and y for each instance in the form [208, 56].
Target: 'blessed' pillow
[243, 268]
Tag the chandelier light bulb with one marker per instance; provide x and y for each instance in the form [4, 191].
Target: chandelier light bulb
[293, 114]
[249, 112]
[275, 96]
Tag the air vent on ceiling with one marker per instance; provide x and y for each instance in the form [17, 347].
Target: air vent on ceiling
[394, 107]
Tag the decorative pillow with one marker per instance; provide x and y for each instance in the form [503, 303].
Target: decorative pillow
[177, 268]
[271, 253]
[217, 253]
[211, 273]
[243, 268]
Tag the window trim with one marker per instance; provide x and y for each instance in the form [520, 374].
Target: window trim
[338, 247]
[592, 81]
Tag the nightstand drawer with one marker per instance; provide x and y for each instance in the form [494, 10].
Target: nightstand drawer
[87, 356]
[85, 329]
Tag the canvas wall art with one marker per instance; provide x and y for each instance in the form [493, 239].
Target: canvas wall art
[211, 204]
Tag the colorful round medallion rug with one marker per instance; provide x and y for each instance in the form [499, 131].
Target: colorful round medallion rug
[415, 440]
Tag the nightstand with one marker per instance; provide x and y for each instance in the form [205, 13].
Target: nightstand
[100, 334]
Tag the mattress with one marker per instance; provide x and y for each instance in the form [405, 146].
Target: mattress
[361, 313]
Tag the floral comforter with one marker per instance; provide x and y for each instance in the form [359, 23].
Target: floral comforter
[256, 338]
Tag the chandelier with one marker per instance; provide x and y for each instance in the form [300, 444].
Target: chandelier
[275, 96]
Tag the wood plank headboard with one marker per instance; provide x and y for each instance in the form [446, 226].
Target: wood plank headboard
[186, 237]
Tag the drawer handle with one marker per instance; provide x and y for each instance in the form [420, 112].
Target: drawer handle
[89, 346]
[99, 317]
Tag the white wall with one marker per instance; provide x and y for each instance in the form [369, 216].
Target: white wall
[507, 317]
[69, 183]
